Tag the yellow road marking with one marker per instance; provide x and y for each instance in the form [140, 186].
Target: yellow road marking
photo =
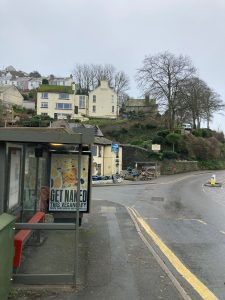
[200, 288]
[222, 232]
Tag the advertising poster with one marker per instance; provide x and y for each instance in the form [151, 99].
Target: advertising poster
[64, 179]
[14, 179]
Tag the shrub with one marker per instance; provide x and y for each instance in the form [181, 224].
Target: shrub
[155, 155]
[219, 136]
[150, 126]
[163, 133]
[124, 130]
[137, 143]
[158, 140]
[114, 133]
[212, 165]
[203, 132]
[170, 155]
[147, 145]
[136, 125]
[173, 138]
[178, 131]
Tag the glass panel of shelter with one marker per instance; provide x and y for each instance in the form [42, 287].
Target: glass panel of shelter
[36, 183]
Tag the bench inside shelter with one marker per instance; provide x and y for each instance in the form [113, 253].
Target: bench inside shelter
[22, 236]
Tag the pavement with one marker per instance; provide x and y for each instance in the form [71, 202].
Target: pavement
[114, 261]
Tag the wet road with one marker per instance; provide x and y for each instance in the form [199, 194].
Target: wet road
[189, 218]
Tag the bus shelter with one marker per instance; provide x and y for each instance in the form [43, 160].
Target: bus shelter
[45, 171]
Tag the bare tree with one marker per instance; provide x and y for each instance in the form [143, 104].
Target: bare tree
[211, 103]
[121, 82]
[89, 77]
[1, 110]
[83, 77]
[192, 93]
[161, 76]
[198, 101]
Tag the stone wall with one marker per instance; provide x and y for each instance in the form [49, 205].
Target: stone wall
[170, 167]
[132, 154]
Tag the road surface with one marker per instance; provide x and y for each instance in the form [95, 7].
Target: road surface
[183, 221]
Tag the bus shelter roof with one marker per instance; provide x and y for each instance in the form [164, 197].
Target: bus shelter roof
[45, 135]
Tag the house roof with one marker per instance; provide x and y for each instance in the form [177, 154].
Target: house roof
[77, 127]
[59, 78]
[4, 88]
[102, 140]
[140, 102]
[55, 89]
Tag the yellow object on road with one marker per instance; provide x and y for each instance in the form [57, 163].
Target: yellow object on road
[212, 181]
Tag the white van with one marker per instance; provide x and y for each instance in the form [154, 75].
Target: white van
[186, 126]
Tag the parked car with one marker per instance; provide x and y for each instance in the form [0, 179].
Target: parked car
[101, 179]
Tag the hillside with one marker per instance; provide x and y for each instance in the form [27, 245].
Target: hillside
[204, 145]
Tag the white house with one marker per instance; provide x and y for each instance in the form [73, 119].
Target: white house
[9, 95]
[60, 102]
[63, 81]
[103, 102]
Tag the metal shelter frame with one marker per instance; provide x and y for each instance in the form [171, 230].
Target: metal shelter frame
[41, 137]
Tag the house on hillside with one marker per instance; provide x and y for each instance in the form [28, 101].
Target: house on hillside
[141, 106]
[62, 81]
[59, 102]
[107, 159]
[9, 95]
[34, 83]
[103, 102]
[10, 76]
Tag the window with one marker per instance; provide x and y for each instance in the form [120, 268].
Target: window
[94, 150]
[44, 95]
[64, 96]
[44, 104]
[99, 151]
[94, 109]
[82, 102]
[113, 109]
[63, 106]
[94, 98]
[99, 167]
[44, 114]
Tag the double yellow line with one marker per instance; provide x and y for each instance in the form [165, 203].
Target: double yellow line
[200, 288]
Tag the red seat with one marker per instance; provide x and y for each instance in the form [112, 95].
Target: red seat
[22, 236]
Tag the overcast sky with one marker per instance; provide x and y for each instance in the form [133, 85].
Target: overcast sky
[51, 36]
